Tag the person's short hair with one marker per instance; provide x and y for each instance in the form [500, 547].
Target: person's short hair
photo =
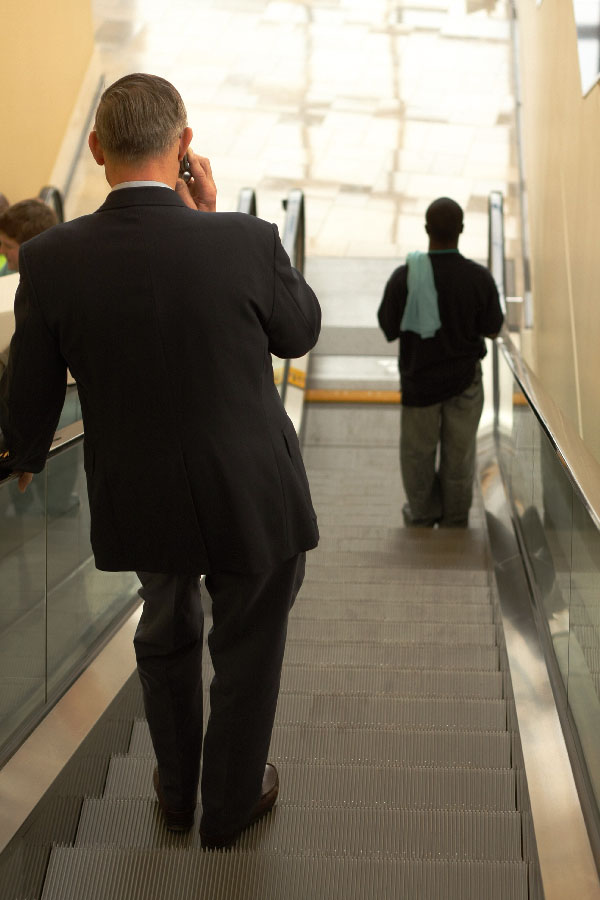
[26, 219]
[4, 204]
[139, 117]
[444, 219]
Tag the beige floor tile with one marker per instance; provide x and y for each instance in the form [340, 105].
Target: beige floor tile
[373, 108]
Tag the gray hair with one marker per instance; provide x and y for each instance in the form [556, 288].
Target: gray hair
[139, 117]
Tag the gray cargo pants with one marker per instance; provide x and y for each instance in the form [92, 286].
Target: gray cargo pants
[444, 495]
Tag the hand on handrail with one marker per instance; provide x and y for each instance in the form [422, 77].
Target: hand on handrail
[25, 479]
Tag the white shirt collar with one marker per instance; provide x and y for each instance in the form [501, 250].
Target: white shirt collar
[128, 184]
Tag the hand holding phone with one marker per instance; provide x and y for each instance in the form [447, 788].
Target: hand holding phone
[184, 169]
[199, 190]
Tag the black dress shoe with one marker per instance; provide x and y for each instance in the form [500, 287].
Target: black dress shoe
[266, 802]
[175, 819]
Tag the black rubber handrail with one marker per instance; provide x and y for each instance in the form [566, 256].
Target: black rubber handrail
[53, 198]
[293, 240]
[247, 201]
[63, 439]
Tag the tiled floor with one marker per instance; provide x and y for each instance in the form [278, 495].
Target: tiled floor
[373, 107]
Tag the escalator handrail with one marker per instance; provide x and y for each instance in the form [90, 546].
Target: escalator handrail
[53, 198]
[247, 201]
[293, 243]
[294, 228]
[581, 467]
[66, 437]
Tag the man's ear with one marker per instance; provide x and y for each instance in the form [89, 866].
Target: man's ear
[94, 145]
[184, 142]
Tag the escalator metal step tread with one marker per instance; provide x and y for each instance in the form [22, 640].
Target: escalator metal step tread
[389, 611]
[379, 518]
[22, 871]
[365, 500]
[413, 591]
[83, 776]
[348, 571]
[108, 737]
[378, 746]
[322, 679]
[335, 711]
[379, 643]
[352, 786]
[395, 550]
[54, 815]
[103, 874]
[130, 703]
[412, 632]
[400, 712]
[413, 674]
[375, 746]
[428, 834]
[451, 548]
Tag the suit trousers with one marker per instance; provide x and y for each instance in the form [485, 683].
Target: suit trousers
[246, 644]
[443, 495]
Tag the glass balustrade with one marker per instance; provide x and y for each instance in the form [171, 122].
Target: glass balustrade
[82, 602]
[562, 545]
[55, 606]
[23, 605]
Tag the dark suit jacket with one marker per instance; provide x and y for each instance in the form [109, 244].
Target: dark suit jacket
[165, 317]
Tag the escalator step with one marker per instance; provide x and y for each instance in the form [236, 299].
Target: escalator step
[379, 746]
[398, 549]
[414, 591]
[380, 643]
[374, 746]
[23, 862]
[323, 679]
[401, 712]
[416, 678]
[54, 815]
[390, 611]
[83, 776]
[422, 632]
[101, 874]
[352, 786]
[426, 834]
[22, 870]
[108, 737]
[347, 569]
[420, 680]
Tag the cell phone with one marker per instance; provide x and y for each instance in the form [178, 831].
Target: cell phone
[184, 169]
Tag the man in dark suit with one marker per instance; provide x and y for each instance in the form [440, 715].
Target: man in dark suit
[166, 313]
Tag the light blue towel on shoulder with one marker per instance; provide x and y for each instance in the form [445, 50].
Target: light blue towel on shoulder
[421, 313]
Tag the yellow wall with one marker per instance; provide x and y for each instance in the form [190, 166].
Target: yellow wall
[562, 174]
[46, 49]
